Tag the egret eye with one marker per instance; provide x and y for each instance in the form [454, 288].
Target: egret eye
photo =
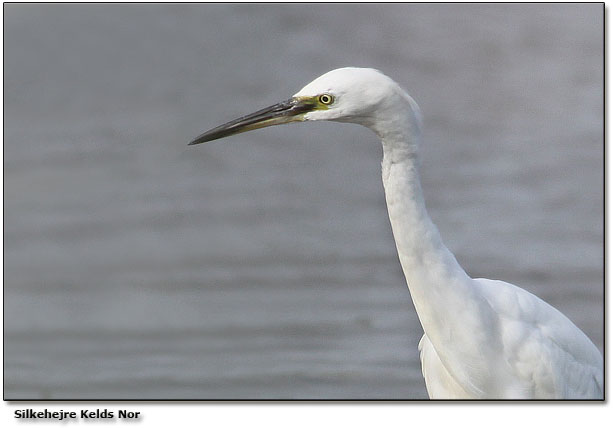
[326, 99]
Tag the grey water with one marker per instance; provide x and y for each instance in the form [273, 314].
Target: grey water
[263, 266]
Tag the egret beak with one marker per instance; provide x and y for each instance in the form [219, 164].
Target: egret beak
[288, 111]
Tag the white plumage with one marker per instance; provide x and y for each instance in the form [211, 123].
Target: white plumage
[483, 339]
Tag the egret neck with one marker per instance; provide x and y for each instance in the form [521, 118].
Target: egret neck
[441, 291]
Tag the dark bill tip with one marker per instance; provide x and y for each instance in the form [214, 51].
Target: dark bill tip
[284, 112]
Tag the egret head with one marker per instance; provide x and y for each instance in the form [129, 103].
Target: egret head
[359, 95]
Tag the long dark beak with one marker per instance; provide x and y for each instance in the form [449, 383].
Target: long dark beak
[291, 110]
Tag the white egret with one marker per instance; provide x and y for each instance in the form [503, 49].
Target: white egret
[483, 339]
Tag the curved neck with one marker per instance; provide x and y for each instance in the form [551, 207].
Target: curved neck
[420, 246]
[436, 281]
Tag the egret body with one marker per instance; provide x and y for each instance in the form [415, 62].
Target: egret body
[483, 339]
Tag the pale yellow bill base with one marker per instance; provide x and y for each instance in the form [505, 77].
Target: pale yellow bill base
[287, 111]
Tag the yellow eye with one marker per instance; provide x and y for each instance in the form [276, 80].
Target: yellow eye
[326, 99]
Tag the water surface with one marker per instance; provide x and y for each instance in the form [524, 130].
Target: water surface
[263, 266]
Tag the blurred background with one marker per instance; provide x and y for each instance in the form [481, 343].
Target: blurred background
[263, 266]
